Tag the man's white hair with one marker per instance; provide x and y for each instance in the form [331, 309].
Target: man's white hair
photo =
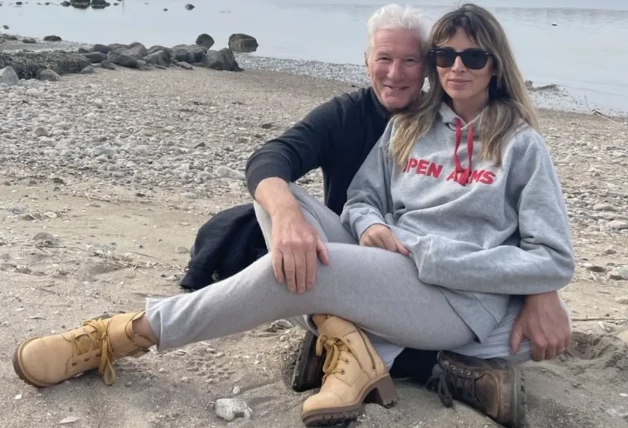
[394, 16]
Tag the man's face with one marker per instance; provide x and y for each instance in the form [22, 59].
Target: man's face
[395, 67]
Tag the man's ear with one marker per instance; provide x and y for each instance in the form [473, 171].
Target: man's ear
[366, 63]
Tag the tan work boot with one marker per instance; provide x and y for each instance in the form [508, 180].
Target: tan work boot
[354, 373]
[489, 386]
[47, 361]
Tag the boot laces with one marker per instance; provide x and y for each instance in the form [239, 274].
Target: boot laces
[460, 380]
[336, 350]
[98, 339]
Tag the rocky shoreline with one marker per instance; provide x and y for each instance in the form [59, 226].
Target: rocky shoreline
[61, 56]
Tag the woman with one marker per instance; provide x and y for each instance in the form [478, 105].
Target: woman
[469, 225]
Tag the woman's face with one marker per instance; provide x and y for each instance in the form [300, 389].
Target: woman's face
[464, 79]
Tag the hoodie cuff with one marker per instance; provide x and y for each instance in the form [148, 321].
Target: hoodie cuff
[366, 221]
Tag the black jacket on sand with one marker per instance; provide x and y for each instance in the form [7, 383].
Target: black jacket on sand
[336, 136]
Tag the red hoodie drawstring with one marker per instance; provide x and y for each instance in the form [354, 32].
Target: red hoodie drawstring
[463, 174]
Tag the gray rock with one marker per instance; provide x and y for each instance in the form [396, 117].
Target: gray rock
[242, 43]
[189, 6]
[123, 60]
[184, 65]
[29, 40]
[101, 48]
[49, 75]
[604, 206]
[157, 48]
[618, 224]
[52, 39]
[232, 408]
[221, 60]
[8, 76]
[100, 4]
[80, 4]
[226, 172]
[88, 70]
[138, 48]
[40, 131]
[189, 53]
[205, 40]
[620, 274]
[28, 65]
[159, 58]
[95, 57]
[107, 65]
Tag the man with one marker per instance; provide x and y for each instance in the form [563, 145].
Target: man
[336, 137]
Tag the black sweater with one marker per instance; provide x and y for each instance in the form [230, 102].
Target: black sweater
[336, 136]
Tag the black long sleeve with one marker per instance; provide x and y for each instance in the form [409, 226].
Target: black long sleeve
[336, 137]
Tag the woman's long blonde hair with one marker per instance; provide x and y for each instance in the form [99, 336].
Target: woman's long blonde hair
[508, 103]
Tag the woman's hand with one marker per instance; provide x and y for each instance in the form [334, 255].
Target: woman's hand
[380, 236]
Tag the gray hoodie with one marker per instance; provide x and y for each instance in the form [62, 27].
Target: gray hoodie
[479, 235]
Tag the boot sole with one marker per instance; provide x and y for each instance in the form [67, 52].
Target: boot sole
[17, 366]
[381, 391]
[519, 398]
[308, 370]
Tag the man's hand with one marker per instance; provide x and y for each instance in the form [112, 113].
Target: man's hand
[295, 243]
[380, 236]
[295, 249]
[545, 323]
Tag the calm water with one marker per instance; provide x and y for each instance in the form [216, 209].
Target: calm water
[586, 52]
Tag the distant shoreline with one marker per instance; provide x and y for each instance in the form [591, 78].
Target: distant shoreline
[546, 97]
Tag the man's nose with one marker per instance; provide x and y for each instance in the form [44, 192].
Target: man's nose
[396, 69]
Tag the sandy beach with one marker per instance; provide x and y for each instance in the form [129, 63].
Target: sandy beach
[107, 177]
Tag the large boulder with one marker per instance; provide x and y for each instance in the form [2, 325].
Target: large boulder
[49, 75]
[138, 48]
[161, 58]
[221, 60]
[101, 48]
[158, 48]
[28, 65]
[100, 4]
[189, 53]
[129, 52]
[95, 57]
[80, 4]
[205, 40]
[8, 76]
[242, 43]
[125, 60]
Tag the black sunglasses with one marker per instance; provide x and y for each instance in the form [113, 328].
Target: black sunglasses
[473, 58]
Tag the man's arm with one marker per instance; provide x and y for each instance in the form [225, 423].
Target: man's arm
[302, 148]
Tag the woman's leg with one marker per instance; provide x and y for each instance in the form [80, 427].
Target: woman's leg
[376, 289]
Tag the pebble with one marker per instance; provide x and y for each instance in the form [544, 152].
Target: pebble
[622, 300]
[620, 274]
[232, 408]
[618, 224]
[604, 207]
[596, 269]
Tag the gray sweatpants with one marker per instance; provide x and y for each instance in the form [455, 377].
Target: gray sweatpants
[376, 289]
